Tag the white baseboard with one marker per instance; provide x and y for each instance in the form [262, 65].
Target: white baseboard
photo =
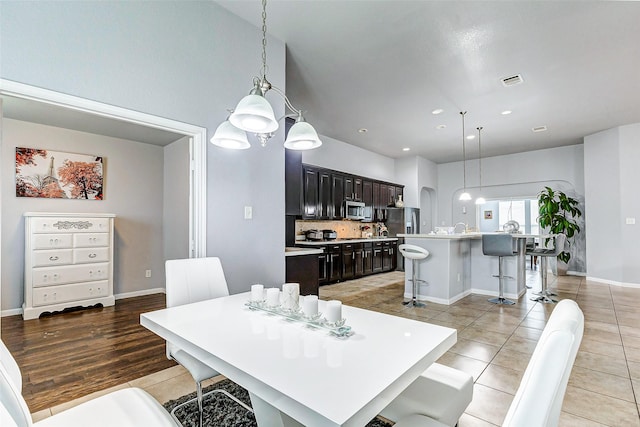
[439, 300]
[141, 293]
[17, 311]
[613, 282]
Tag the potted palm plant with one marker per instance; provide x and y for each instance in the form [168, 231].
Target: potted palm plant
[558, 213]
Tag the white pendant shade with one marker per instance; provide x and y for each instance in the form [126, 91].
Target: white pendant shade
[302, 136]
[465, 196]
[229, 136]
[254, 114]
[480, 201]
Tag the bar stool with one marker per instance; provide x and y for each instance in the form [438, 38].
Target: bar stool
[500, 245]
[544, 253]
[415, 254]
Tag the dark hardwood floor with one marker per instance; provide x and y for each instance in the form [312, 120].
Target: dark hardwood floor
[69, 355]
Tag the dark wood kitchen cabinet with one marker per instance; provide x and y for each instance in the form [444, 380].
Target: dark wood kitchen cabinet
[324, 195]
[323, 268]
[358, 260]
[337, 196]
[310, 199]
[367, 199]
[389, 256]
[334, 264]
[293, 177]
[367, 258]
[303, 269]
[349, 189]
[376, 258]
[348, 262]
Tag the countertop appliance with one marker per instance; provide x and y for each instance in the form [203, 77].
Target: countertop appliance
[353, 210]
[329, 234]
[402, 221]
[314, 235]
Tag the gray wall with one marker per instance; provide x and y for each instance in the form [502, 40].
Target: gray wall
[611, 179]
[133, 185]
[187, 61]
[175, 207]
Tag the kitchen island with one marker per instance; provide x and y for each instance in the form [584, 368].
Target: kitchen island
[456, 267]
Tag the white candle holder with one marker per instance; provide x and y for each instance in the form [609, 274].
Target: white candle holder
[338, 328]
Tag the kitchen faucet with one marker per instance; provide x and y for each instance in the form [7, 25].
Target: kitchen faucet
[460, 223]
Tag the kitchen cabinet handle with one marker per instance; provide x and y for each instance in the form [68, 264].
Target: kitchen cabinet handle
[92, 255]
[353, 255]
[53, 258]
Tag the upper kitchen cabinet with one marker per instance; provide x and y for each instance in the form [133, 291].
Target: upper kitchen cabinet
[310, 192]
[337, 195]
[324, 192]
[367, 199]
[293, 176]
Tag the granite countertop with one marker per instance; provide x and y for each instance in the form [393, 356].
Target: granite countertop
[289, 251]
[458, 236]
[342, 241]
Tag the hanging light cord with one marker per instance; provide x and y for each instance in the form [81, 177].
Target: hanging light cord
[464, 155]
[480, 157]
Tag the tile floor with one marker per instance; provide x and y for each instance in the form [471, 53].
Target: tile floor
[495, 343]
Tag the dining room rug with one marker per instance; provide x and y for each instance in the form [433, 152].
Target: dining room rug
[221, 411]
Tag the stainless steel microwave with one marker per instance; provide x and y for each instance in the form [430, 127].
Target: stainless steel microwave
[353, 210]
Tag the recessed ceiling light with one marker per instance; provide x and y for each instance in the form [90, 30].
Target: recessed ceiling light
[437, 111]
[441, 126]
[471, 136]
[506, 112]
[406, 149]
[363, 130]
[539, 129]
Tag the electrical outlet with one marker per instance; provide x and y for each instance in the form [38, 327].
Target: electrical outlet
[631, 221]
[147, 273]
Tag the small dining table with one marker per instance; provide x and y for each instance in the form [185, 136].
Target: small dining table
[299, 375]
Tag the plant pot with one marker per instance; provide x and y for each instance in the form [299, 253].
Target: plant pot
[560, 268]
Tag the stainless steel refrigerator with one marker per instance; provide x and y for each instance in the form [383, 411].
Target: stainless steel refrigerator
[402, 221]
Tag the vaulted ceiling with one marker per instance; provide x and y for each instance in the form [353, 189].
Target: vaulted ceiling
[384, 66]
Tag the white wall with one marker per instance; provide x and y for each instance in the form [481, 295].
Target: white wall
[611, 160]
[133, 182]
[175, 207]
[343, 157]
[187, 61]
[521, 175]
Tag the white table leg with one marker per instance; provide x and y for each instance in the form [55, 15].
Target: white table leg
[269, 416]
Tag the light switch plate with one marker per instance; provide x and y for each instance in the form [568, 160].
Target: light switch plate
[248, 212]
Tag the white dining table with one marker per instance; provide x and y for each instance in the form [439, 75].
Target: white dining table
[297, 375]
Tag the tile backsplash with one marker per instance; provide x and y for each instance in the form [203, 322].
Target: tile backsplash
[345, 229]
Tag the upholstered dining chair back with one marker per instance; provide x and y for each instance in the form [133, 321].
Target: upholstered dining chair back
[539, 398]
[13, 408]
[194, 279]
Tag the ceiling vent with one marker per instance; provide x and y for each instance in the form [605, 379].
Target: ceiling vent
[512, 81]
[539, 129]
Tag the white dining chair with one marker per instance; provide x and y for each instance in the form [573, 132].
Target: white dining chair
[539, 398]
[188, 281]
[128, 407]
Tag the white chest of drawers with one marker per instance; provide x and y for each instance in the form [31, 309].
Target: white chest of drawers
[68, 262]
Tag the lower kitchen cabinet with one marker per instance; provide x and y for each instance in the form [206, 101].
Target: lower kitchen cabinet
[346, 261]
[377, 256]
[304, 269]
[334, 264]
[367, 261]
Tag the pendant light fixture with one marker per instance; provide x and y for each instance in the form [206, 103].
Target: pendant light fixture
[254, 114]
[480, 200]
[464, 196]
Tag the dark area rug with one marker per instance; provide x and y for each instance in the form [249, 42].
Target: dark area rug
[221, 411]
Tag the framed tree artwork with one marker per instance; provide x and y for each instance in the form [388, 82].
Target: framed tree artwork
[58, 175]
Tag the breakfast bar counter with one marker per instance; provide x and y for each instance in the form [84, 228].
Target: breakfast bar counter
[456, 267]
